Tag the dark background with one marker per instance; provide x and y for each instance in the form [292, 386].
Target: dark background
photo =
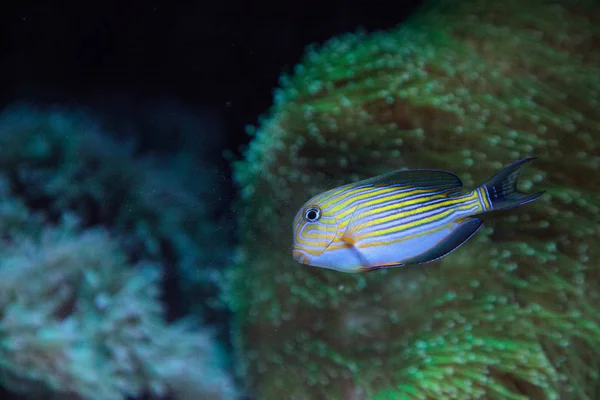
[147, 65]
[221, 58]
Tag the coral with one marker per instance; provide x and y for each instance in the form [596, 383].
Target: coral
[60, 160]
[88, 234]
[464, 86]
[77, 321]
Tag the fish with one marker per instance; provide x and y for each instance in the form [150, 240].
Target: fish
[399, 218]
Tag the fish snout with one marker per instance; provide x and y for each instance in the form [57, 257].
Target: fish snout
[300, 256]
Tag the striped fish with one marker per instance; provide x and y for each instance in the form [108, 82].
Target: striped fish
[399, 218]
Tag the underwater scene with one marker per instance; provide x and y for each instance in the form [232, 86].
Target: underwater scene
[306, 200]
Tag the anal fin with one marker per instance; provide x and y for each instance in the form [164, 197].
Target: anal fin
[463, 232]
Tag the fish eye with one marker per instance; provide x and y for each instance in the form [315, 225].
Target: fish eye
[312, 214]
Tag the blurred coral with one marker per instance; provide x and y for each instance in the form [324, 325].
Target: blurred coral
[60, 160]
[81, 312]
[462, 86]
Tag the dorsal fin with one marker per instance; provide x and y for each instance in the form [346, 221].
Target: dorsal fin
[432, 178]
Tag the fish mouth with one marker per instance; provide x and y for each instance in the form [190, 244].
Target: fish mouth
[300, 256]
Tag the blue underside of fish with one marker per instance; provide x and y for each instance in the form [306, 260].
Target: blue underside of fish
[461, 232]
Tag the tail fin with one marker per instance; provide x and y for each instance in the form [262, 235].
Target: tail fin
[502, 188]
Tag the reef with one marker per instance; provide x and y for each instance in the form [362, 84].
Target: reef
[463, 86]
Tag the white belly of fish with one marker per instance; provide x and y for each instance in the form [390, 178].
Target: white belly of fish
[403, 247]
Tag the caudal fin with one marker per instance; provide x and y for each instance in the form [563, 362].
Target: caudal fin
[502, 188]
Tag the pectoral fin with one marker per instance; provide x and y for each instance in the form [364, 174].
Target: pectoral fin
[352, 227]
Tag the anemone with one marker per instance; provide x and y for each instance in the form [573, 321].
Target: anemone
[464, 86]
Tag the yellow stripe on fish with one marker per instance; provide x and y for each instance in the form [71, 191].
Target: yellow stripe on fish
[399, 218]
